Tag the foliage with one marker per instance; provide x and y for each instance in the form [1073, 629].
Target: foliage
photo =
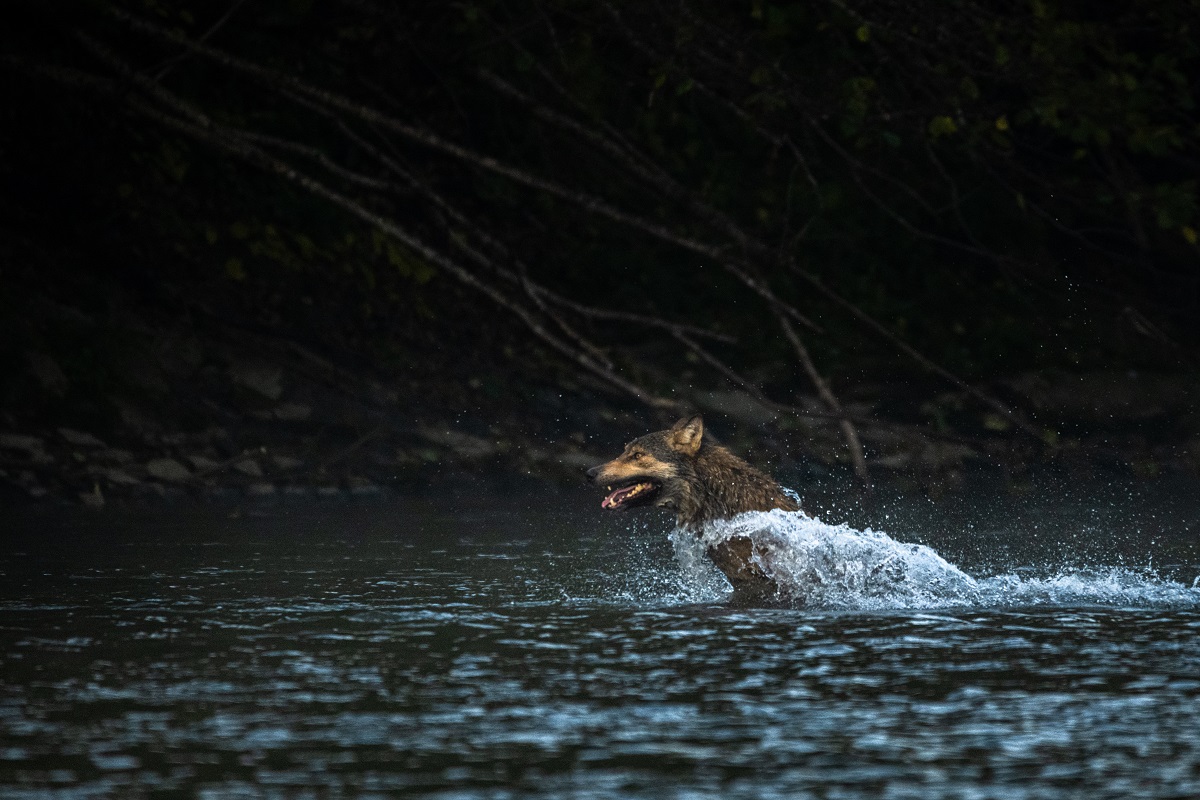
[994, 187]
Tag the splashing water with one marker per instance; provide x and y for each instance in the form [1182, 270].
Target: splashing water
[821, 565]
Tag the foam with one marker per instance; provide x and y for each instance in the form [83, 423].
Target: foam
[820, 565]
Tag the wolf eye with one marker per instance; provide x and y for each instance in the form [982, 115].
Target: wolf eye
[638, 456]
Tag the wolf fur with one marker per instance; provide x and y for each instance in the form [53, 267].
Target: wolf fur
[701, 482]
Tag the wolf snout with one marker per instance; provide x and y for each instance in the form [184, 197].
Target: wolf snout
[593, 472]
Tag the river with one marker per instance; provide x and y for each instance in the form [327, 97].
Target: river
[490, 647]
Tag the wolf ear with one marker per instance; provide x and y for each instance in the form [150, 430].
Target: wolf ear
[686, 434]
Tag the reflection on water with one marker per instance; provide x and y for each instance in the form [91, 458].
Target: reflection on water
[539, 653]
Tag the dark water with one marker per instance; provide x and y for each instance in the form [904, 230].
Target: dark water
[459, 650]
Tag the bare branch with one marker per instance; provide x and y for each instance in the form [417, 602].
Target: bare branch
[827, 396]
[912, 353]
[198, 125]
[174, 61]
[586, 202]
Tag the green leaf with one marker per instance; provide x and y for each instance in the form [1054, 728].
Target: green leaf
[942, 126]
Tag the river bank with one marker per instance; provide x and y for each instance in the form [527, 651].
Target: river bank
[201, 418]
[121, 389]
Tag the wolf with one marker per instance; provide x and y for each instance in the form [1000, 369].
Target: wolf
[701, 482]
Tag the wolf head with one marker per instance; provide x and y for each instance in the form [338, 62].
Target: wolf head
[653, 469]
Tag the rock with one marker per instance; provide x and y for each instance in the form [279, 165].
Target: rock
[202, 463]
[32, 446]
[15, 441]
[287, 462]
[115, 455]
[168, 469]
[463, 445]
[249, 467]
[118, 476]
[265, 380]
[896, 461]
[48, 373]
[29, 482]
[79, 438]
[293, 412]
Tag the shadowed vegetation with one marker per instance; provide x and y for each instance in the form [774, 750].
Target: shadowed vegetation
[880, 223]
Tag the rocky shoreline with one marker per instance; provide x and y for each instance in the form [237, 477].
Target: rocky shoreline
[110, 398]
[283, 429]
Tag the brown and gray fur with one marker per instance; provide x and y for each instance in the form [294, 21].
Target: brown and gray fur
[701, 482]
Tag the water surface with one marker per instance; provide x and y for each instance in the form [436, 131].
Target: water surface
[498, 649]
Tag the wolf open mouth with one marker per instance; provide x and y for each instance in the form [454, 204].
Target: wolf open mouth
[633, 492]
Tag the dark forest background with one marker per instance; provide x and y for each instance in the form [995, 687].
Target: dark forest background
[283, 243]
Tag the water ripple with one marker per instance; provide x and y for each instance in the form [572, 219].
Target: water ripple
[429, 667]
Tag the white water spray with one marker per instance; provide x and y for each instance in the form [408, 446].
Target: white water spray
[820, 565]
